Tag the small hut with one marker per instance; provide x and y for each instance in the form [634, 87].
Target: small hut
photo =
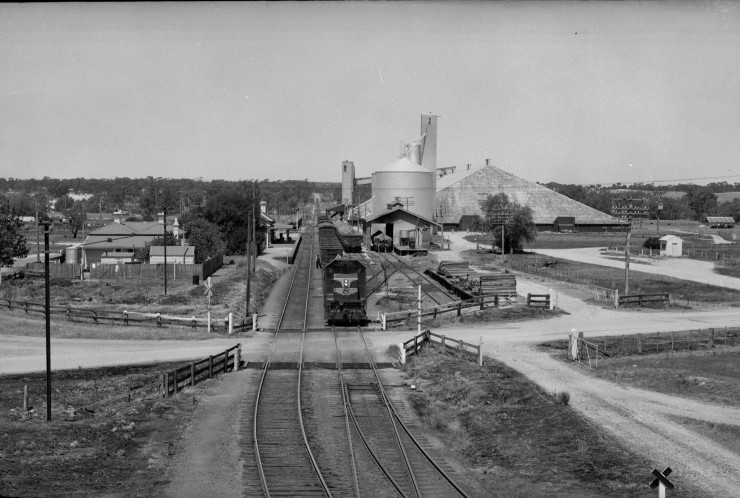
[671, 246]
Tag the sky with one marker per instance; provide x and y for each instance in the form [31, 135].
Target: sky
[571, 92]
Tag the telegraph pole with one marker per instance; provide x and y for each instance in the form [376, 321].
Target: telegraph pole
[254, 229]
[249, 255]
[47, 308]
[164, 225]
[627, 258]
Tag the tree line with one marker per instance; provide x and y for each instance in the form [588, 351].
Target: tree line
[697, 202]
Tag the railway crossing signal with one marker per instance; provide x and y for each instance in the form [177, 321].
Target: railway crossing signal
[661, 481]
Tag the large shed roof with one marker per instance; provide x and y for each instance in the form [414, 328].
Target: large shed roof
[460, 193]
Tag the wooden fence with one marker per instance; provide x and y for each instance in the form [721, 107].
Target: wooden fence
[446, 345]
[68, 271]
[641, 299]
[400, 317]
[538, 301]
[591, 350]
[229, 323]
[174, 381]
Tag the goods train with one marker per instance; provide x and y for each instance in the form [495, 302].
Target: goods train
[344, 275]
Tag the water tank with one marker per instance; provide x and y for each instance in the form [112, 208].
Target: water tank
[408, 181]
[73, 255]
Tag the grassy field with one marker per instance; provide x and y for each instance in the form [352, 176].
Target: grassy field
[520, 439]
[681, 363]
[684, 293]
[120, 450]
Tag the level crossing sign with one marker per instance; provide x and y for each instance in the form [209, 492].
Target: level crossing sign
[661, 481]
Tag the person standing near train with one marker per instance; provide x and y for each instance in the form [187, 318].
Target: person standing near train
[318, 261]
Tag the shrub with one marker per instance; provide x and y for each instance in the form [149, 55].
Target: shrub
[562, 397]
[651, 243]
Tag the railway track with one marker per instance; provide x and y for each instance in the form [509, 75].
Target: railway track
[430, 290]
[385, 446]
[322, 423]
[285, 463]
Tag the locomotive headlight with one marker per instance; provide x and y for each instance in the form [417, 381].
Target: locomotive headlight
[346, 284]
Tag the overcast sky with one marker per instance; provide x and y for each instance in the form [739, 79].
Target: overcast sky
[585, 92]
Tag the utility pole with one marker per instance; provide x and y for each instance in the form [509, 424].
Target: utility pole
[164, 228]
[249, 251]
[254, 228]
[47, 308]
[627, 258]
[38, 225]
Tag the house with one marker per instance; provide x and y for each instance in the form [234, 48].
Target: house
[184, 255]
[671, 246]
[121, 237]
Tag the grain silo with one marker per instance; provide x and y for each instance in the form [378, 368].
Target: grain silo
[406, 182]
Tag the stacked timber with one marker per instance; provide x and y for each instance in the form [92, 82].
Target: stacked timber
[498, 284]
[454, 269]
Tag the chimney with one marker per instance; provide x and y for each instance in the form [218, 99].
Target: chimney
[118, 217]
[263, 207]
[488, 162]
[468, 166]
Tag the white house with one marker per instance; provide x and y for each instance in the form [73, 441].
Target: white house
[671, 245]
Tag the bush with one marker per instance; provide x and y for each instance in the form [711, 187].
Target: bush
[651, 243]
[562, 397]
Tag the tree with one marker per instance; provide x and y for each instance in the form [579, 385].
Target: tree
[206, 237]
[75, 215]
[12, 240]
[519, 226]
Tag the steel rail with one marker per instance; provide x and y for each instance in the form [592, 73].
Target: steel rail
[403, 263]
[260, 466]
[371, 360]
[395, 415]
[370, 450]
[346, 412]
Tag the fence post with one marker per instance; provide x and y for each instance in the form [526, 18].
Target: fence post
[254, 322]
[238, 357]
[580, 345]
[402, 354]
[159, 322]
[194, 324]
[231, 323]
[459, 308]
[711, 338]
[553, 298]
[529, 298]
[416, 344]
[444, 346]
[382, 322]
[175, 375]
[192, 373]
[69, 317]
[161, 385]
[434, 316]
[480, 351]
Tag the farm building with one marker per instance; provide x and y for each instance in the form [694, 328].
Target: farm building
[459, 194]
[721, 222]
[671, 246]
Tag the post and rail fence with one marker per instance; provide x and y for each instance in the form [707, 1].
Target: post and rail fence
[447, 345]
[171, 382]
[228, 323]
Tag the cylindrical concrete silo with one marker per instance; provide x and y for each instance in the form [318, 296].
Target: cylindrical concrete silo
[408, 181]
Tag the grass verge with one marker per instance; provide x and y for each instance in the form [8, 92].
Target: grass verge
[722, 434]
[521, 440]
[120, 450]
